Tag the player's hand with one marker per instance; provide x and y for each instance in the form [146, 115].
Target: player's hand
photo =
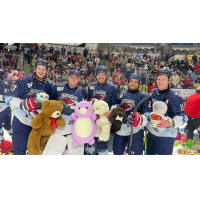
[107, 114]
[166, 124]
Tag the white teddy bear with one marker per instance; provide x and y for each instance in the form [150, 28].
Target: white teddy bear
[102, 122]
[159, 110]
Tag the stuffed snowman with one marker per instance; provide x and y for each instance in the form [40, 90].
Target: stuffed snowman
[159, 110]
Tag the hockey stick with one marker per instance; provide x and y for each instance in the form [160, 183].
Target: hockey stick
[134, 111]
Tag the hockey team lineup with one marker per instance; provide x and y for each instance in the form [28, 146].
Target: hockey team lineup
[38, 117]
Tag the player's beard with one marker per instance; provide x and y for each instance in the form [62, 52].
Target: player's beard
[40, 79]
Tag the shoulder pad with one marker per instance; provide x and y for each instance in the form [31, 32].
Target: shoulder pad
[177, 94]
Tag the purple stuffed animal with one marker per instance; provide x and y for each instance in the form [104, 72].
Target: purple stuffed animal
[84, 127]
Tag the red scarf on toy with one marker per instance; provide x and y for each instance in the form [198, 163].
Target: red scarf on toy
[53, 120]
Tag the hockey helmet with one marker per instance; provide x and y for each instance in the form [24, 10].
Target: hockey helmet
[101, 69]
[41, 62]
[164, 72]
[134, 76]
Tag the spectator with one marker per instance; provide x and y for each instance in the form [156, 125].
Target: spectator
[116, 81]
[51, 49]
[23, 46]
[192, 110]
[14, 79]
[197, 67]
[57, 51]
[194, 58]
[152, 87]
[187, 81]
[189, 72]
[175, 79]
[85, 52]
[49, 57]
[19, 75]
[63, 51]
[55, 56]
[43, 48]
[196, 84]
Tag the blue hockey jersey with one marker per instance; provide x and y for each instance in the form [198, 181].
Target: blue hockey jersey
[69, 97]
[4, 89]
[175, 111]
[24, 88]
[106, 92]
[128, 101]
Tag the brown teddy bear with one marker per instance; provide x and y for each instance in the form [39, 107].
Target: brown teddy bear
[44, 124]
[183, 151]
[117, 118]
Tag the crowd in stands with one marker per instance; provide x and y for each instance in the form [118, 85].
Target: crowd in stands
[121, 65]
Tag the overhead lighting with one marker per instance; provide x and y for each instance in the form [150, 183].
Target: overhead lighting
[174, 49]
[181, 49]
[149, 48]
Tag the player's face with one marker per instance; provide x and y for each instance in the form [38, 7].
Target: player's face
[41, 71]
[133, 84]
[73, 80]
[101, 77]
[162, 82]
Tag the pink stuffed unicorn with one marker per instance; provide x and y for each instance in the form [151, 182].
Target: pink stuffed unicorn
[84, 127]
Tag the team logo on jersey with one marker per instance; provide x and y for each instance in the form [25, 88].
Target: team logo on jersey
[92, 87]
[69, 99]
[33, 92]
[121, 95]
[30, 84]
[177, 94]
[156, 117]
[60, 88]
[127, 104]
[99, 94]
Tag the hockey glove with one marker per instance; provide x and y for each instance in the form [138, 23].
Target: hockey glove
[136, 120]
[31, 104]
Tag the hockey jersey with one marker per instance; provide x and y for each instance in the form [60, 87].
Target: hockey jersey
[25, 88]
[175, 111]
[69, 97]
[106, 92]
[128, 101]
[4, 89]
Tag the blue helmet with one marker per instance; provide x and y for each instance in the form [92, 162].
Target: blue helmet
[164, 72]
[101, 69]
[40, 62]
[135, 76]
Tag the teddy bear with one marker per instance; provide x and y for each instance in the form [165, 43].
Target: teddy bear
[183, 151]
[44, 124]
[159, 110]
[84, 127]
[117, 118]
[102, 123]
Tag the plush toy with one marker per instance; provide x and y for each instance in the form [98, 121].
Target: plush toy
[6, 146]
[188, 144]
[159, 110]
[44, 124]
[102, 122]
[178, 137]
[84, 127]
[40, 98]
[117, 118]
[183, 151]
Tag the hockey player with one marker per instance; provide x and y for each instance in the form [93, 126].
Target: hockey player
[128, 100]
[161, 142]
[102, 90]
[22, 95]
[5, 110]
[69, 94]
